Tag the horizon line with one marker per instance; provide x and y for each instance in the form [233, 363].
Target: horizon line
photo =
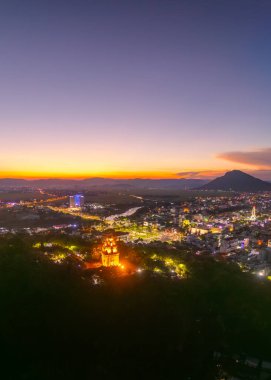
[188, 175]
[95, 177]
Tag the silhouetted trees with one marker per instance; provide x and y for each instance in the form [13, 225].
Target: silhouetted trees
[54, 325]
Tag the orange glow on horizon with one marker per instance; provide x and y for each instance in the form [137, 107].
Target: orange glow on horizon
[77, 176]
[122, 174]
[187, 174]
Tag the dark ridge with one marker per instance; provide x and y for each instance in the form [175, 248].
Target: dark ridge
[237, 180]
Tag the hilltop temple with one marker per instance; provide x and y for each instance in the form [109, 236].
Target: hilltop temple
[110, 254]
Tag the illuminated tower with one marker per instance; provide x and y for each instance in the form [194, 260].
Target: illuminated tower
[253, 213]
[77, 201]
[110, 254]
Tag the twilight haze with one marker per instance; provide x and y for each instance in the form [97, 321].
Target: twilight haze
[134, 88]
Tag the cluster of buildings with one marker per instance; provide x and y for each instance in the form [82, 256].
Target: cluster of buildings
[236, 228]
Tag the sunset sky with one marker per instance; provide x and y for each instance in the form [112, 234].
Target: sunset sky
[129, 88]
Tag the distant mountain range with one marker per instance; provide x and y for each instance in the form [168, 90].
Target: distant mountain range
[237, 180]
[98, 183]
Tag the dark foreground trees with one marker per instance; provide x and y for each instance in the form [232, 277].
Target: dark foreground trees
[54, 325]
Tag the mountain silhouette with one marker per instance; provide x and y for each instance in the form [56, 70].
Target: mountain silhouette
[237, 180]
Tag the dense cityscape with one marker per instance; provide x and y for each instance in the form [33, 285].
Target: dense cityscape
[232, 227]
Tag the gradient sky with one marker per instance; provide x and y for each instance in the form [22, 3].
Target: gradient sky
[134, 88]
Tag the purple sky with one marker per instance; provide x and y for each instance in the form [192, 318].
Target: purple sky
[124, 88]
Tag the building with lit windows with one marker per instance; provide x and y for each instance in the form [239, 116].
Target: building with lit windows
[77, 201]
[253, 214]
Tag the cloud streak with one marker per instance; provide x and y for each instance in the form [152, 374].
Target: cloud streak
[259, 158]
[201, 174]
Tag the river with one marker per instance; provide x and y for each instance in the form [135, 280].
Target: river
[129, 212]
